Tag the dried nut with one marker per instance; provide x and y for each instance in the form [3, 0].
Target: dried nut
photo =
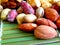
[43, 21]
[58, 3]
[51, 24]
[4, 1]
[20, 18]
[12, 15]
[28, 27]
[19, 10]
[58, 22]
[1, 8]
[56, 7]
[19, 0]
[54, 1]
[40, 12]
[29, 18]
[4, 13]
[51, 14]
[9, 4]
[45, 32]
[34, 3]
[27, 7]
[0, 2]
[45, 3]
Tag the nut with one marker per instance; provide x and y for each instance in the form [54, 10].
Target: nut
[54, 1]
[19, 0]
[20, 18]
[45, 3]
[1, 8]
[4, 13]
[43, 21]
[45, 32]
[58, 22]
[51, 24]
[40, 12]
[56, 7]
[28, 27]
[27, 7]
[12, 15]
[9, 4]
[51, 14]
[34, 3]
[29, 18]
[58, 3]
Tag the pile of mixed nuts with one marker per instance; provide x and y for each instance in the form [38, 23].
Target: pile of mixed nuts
[40, 16]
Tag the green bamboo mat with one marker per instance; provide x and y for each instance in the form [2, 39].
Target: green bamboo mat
[13, 36]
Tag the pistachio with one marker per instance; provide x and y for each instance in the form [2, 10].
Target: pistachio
[4, 13]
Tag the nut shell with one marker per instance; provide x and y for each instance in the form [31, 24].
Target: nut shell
[43, 21]
[45, 32]
[51, 14]
[34, 3]
[12, 15]
[28, 27]
[20, 18]
[4, 13]
[58, 22]
[27, 7]
[39, 12]
[29, 18]
[1, 8]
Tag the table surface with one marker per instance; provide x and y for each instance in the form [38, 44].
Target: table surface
[13, 37]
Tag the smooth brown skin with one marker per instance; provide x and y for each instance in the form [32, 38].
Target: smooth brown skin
[58, 22]
[44, 21]
[45, 32]
[51, 14]
[28, 27]
[51, 24]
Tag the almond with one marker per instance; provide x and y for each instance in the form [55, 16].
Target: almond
[28, 27]
[51, 14]
[43, 21]
[58, 22]
[45, 32]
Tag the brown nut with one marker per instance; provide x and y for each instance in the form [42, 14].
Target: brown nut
[4, 1]
[28, 27]
[9, 4]
[43, 21]
[45, 32]
[51, 14]
[58, 22]
[0, 2]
